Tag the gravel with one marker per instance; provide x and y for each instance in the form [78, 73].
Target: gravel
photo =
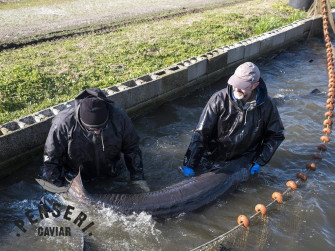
[38, 20]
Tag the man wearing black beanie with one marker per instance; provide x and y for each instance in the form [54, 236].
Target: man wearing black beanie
[90, 138]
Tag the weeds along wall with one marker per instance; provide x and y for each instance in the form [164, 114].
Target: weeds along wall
[22, 139]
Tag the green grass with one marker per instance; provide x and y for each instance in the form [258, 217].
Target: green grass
[36, 77]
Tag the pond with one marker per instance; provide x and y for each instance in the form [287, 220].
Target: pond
[305, 221]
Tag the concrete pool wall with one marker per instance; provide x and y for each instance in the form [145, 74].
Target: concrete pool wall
[22, 139]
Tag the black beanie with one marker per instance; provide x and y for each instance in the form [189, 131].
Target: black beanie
[93, 112]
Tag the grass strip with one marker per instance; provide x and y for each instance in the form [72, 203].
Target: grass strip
[39, 76]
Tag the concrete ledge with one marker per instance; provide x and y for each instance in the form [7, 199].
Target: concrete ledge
[217, 59]
[196, 67]
[293, 30]
[172, 77]
[279, 37]
[21, 139]
[252, 47]
[235, 52]
[266, 41]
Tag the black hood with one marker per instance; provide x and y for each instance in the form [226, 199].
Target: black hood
[93, 92]
[262, 92]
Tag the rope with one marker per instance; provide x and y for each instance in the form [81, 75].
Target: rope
[243, 221]
[327, 123]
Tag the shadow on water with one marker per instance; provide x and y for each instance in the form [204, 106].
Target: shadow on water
[305, 221]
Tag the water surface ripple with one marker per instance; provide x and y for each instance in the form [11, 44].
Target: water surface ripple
[305, 221]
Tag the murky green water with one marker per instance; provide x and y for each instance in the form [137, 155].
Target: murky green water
[305, 221]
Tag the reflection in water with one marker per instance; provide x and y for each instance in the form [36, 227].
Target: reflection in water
[304, 222]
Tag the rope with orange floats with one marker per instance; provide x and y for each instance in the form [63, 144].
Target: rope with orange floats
[327, 123]
[277, 197]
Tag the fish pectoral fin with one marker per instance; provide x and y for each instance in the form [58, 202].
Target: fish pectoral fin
[51, 187]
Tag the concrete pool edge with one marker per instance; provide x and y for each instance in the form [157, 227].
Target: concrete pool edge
[21, 139]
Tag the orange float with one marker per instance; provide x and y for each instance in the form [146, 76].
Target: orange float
[291, 184]
[317, 156]
[331, 94]
[330, 106]
[301, 176]
[330, 101]
[324, 139]
[242, 219]
[327, 130]
[329, 114]
[278, 197]
[322, 147]
[260, 208]
[327, 122]
[311, 166]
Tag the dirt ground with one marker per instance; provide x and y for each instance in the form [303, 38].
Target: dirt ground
[35, 21]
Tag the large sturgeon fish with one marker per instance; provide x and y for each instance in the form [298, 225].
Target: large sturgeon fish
[184, 196]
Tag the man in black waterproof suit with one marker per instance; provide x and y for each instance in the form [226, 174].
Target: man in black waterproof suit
[238, 121]
[90, 137]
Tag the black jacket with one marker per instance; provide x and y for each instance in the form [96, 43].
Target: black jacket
[70, 147]
[227, 130]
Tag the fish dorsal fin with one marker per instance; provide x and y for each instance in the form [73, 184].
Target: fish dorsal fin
[77, 186]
